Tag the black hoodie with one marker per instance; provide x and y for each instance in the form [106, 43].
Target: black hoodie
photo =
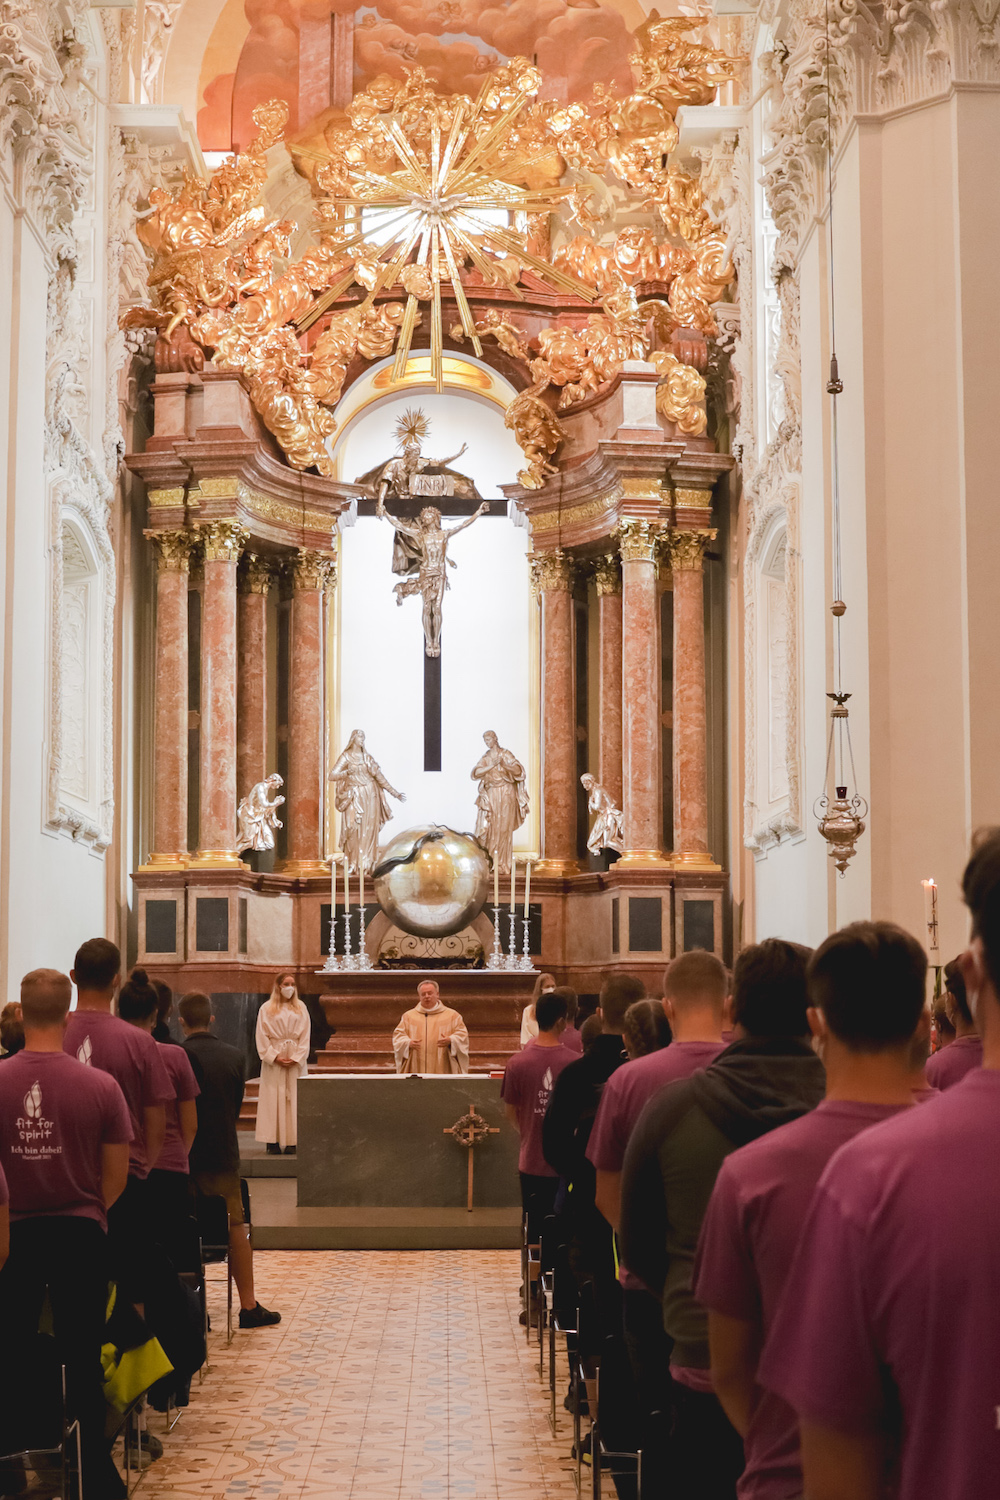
[679, 1143]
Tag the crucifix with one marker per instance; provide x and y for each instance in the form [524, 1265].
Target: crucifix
[469, 1131]
[420, 548]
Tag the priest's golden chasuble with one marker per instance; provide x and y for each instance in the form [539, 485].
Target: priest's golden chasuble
[415, 1041]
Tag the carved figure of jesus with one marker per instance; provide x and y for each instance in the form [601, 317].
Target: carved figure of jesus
[429, 540]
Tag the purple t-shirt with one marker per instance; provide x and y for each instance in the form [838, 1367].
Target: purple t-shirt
[949, 1066]
[527, 1085]
[4, 1196]
[748, 1240]
[132, 1058]
[55, 1116]
[174, 1157]
[572, 1039]
[629, 1089]
[893, 1299]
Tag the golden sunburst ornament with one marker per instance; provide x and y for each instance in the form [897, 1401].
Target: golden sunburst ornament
[412, 426]
[445, 182]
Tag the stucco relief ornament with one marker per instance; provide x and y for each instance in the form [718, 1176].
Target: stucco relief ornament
[607, 831]
[256, 817]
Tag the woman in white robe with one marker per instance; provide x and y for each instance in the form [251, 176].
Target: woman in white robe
[544, 985]
[283, 1045]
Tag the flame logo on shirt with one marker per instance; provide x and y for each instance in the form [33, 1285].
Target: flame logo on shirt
[547, 1081]
[33, 1102]
[84, 1052]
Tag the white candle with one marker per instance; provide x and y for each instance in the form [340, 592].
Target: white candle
[931, 919]
[513, 880]
[361, 881]
[347, 882]
[496, 884]
[527, 885]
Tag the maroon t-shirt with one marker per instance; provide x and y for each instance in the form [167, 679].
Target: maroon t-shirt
[55, 1116]
[949, 1066]
[629, 1089]
[174, 1156]
[893, 1295]
[527, 1085]
[572, 1039]
[132, 1058]
[4, 1196]
[748, 1240]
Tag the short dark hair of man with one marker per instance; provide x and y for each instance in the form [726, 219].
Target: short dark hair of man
[870, 981]
[137, 999]
[550, 1009]
[697, 975]
[617, 994]
[46, 996]
[646, 1028]
[955, 985]
[981, 889]
[769, 989]
[196, 1010]
[96, 963]
[571, 998]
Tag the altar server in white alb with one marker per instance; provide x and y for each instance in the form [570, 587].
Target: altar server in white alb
[283, 1044]
[431, 1038]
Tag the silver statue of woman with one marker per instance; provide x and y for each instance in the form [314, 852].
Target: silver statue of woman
[608, 831]
[502, 804]
[361, 799]
[256, 818]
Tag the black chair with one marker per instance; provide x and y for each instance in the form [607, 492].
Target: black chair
[212, 1217]
[51, 1439]
[619, 1453]
[559, 1295]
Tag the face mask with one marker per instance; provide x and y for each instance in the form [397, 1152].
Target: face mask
[288, 991]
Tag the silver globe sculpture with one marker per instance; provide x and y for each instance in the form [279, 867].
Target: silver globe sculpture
[432, 881]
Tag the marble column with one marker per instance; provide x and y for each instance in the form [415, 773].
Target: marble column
[217, 788]
[170, 714]
[312, 575]
[642, 786]
[690, 738]
[251, 674]
[608, 579]
[553, 580]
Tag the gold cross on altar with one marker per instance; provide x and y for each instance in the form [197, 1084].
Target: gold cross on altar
[469, 1131]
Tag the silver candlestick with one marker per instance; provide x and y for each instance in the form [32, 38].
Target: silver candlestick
[495, 960]
[348, 961]
[512, 961]
[526, 963]
[364, 962]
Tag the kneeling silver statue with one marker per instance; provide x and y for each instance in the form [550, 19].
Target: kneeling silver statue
[608, 830]
[256, 818]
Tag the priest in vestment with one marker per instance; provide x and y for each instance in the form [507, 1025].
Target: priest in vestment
[431, 1038]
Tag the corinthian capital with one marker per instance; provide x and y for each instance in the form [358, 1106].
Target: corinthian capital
[258, 574]
[552, 572]
[313, 571]
[223, 540]
[173, 549]
[686, 549]
[637, 541]
[608, 575]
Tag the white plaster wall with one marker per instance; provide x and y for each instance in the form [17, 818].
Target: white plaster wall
[486, 666]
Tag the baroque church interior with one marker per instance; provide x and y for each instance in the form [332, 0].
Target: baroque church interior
[496, 498]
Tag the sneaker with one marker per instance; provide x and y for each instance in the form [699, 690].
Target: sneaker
[139, 1458]
[151, 1444]
[258, 1317]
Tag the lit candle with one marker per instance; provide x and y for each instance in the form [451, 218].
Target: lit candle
[527, 885]
[496, 884]
[513, 879]
[931, 919]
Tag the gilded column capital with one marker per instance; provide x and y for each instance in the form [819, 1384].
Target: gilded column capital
[552, 572]
[173, 549]
[223, 540]
[608, 574]
[686, 549]
[313, 571]
[637, 541]
[257, 575]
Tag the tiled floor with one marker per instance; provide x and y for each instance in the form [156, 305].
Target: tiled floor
[392, 1376]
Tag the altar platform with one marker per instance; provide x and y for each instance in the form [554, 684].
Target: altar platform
[377, 1169]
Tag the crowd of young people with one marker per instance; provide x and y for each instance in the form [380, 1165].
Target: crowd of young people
[779, 1211]
[108, 1140]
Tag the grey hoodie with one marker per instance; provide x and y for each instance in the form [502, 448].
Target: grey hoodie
[679, 1143]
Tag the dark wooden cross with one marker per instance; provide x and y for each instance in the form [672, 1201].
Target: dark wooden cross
[469, 1131]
